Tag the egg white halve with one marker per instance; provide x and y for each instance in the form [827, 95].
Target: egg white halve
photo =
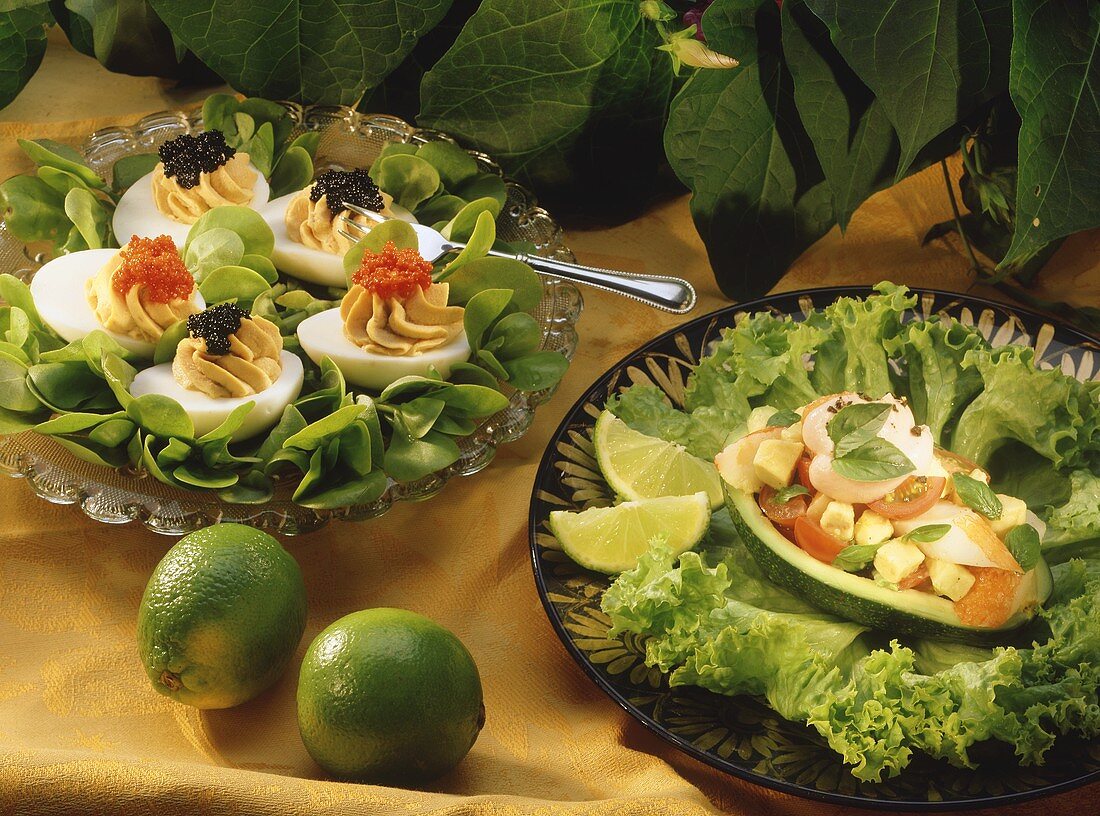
[208, 412]
[59, 296]
[306, 263]
[323, 336]
[137, 214]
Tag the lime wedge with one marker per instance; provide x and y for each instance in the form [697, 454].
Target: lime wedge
[610, 539]
[637, 466]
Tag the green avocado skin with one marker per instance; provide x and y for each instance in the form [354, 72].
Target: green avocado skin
[221, 617]
[891, 618]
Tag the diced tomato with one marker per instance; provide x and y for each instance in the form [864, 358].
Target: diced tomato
[911, 498]
[804, 472]
[785, 514]
[810, 536]
[989, 602]
[916, 578]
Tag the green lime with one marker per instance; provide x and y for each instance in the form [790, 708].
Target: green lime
[637, 466]
[221, 616]
[610, 539]
[386, 695]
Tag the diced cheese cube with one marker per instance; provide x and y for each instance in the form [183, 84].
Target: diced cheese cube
[792, 433]
[1013, 514]
[951, 580]
[896, 559]
[759, 417]
[873, 528]
[980, 475]
[817, 507]
[937, 469]
[775, 461]
[839, 519]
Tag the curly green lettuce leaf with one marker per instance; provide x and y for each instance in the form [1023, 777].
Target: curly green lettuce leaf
[1049, 412]
[936, 384]
[853, 357]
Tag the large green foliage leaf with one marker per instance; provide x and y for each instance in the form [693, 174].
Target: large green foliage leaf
[128, 37]
[1055, 84]
[930, 62]
[734, 137]
[324, 51]
[563, 93]
[851, 133]
[22, 43]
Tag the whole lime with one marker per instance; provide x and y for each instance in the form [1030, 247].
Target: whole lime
[387, 695]
[221, 616]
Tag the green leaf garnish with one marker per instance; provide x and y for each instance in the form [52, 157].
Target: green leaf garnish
[1023, 542]
[977, 495]
[855, 425]
[785, 494]
[856, 557]
[928, 533]
[874, 461]
[783, 419]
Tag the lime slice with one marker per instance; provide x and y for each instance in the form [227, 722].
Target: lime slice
[610, 539]
[637, 466]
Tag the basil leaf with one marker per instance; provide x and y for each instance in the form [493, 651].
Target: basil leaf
[977, 495]
[785, 494]
[928, 533]
[856, 557]
[783, 419]
[854, 425]
[1023, 542]
[873, 461]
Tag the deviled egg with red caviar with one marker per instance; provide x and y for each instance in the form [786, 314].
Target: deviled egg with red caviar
[134, 294]
[393, 322]
[308, 223]
[195, 175]
[228, 359]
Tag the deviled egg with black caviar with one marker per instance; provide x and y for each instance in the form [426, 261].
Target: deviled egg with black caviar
[393, 322]
[229, 358]
[134, 294]
[195, 175]
[307, 224]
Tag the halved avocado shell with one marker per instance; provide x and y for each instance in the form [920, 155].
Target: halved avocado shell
[860, 599]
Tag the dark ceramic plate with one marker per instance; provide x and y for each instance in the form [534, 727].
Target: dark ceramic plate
[741, 735]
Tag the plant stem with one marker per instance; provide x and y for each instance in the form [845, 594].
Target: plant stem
[975, 267]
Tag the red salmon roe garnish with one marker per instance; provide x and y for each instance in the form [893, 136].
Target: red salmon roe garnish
[154, 263]
[393, 272]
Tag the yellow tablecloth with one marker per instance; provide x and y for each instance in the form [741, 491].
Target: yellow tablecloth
[81, 731]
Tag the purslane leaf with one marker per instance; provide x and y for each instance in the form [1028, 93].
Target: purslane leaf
[945, 70]
[1055, 85]
[734, 137]
[321, 51]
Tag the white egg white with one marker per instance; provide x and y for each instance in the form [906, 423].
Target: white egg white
[323, 336]
[58, 289]
[207, 412]
[136, 214]
[306, 263]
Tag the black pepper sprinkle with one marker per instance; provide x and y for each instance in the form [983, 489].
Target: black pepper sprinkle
[916, 430]
[186, 156]
[214, 325]
[351, 186]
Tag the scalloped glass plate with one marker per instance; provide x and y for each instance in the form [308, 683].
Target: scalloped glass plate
[742, 735]
[347, 139]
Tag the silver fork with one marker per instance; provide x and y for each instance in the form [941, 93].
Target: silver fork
[670, 294]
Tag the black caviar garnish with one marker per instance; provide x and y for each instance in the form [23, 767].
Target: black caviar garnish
[185, 157]
[351, 186]
[214, 325]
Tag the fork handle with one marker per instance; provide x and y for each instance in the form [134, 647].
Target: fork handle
[664, 292]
